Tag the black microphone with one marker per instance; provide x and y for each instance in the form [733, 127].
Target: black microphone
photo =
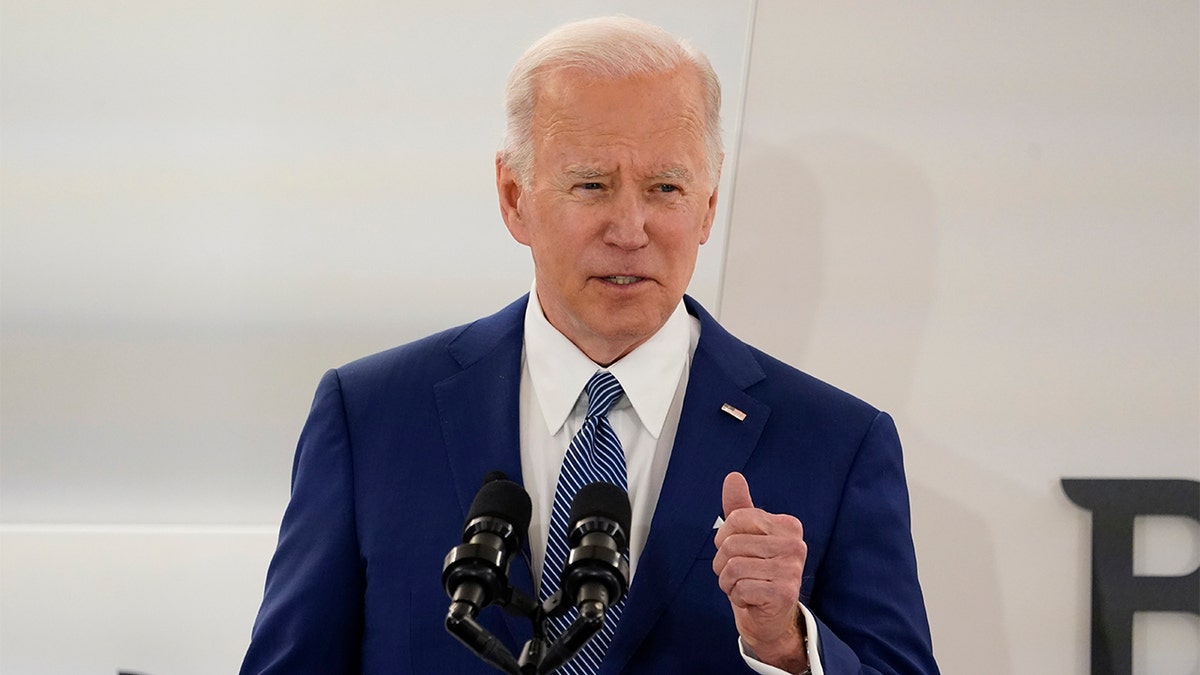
[475, 573]
[596, 575]
[597, 572]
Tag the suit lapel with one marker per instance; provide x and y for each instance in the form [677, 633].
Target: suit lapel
[709, 444]
[479, 410]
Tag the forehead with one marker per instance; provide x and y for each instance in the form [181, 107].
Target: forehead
[655, 118]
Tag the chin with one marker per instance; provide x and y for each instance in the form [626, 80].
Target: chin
[628, 333]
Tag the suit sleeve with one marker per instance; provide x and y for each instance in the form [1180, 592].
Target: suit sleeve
[311, 616]
[866, 596]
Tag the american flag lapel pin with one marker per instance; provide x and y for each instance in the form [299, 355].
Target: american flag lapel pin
[733, 412]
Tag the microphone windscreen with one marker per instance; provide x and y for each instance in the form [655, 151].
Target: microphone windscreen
[503, 499]
[604, 500]
[492, 476]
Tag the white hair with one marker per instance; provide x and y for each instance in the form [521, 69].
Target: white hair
[613, 47]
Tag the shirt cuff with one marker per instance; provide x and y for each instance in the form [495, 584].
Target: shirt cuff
[814, 661]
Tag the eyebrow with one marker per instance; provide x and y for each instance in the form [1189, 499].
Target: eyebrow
[584, 172]
[589, 172]
[675, 173]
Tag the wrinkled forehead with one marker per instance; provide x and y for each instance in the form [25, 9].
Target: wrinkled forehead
[657, 117]
[575, 92]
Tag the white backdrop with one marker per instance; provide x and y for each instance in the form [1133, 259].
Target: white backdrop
[985, 219]
[982, 218]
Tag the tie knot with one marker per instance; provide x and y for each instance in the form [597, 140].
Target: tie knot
[603, 390]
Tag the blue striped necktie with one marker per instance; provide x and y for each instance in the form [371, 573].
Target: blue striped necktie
[594, 455]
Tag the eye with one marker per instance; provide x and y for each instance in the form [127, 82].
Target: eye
[591, 186]
[666, 187]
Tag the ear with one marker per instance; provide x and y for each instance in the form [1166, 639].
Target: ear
[510, 192]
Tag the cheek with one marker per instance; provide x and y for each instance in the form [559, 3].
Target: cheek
[571, 235]
[558, 254]
[681, 241]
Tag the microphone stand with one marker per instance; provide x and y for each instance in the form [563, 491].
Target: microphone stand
[586, 625]
[539, 656]
[463, 626]
[595, 576]
[460, 622]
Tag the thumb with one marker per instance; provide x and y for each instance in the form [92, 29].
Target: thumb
[735, 494]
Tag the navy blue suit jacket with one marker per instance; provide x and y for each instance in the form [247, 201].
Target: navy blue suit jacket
[396, 446]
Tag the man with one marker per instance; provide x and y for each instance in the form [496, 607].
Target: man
[609, 175]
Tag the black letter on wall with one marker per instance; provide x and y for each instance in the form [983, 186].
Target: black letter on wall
[1116, 592]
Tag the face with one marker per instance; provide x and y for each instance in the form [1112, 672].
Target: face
[617, 206]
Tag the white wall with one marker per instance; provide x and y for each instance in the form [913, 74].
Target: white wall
[983, 217]
[205, 205]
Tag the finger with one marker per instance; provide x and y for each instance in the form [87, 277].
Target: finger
[781, 576]
[735, 493]
[761, 596]
[733, 526]
[763, 546]
[758, 522]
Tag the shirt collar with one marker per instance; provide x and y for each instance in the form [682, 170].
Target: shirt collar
[649, 374]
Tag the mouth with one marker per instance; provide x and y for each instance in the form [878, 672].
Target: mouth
[623, 280]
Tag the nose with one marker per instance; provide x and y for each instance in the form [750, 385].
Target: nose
[626, 227]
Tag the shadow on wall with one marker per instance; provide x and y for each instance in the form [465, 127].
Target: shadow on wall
[773, 254]
[831, 261]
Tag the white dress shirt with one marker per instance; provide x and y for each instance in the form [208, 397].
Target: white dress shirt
[553, 406]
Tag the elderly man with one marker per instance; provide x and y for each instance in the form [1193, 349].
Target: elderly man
[609, 175]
